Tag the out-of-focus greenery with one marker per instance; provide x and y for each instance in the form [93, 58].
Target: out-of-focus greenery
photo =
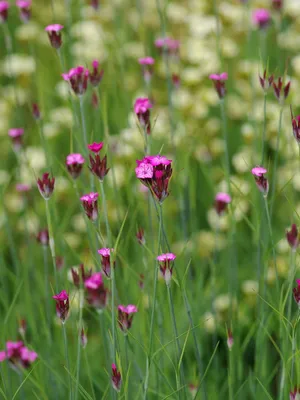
[187, 127]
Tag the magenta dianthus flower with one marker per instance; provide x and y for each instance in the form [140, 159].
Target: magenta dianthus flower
[62, 305]
[16, 135]
[142, 108]
[74, 164]
[169, 45]
[221, 202]
[54, 33]
[166, 266]
[281, 91]
[155, 172]
[261, 18]
[95, 147]
[43, 237]
[18, 355]
[261, 181]
[266, 82]
[96, 74]
[147, 66]
[25, 9]
[96, 292]
[106, 262]
[90, 205]
[98, 165]
[219, 82]
[125, 316]
[4, 6]
[46, 185]
[116, 379]
[78, 79]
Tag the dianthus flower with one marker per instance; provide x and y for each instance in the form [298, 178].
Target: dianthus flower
[166, 266]
[261, 18]
[74, 164]
[78, 79]
[46, 185]
[54, 33]
[18, 355]
[261, 181]
[96, 292]
[62, 305]
[96, 75]
[125, 316]
[221, 202]
[219, 83]
[90, 205]
[106, 262]
[16, 135]
[147, 67]
[293, 238]
[98, 165]
[4, 6]
[116, 379]
[25, 9]
[142, 108]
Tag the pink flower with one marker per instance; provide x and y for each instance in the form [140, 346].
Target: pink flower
[90, 205]
[98, 166]
[80, 275]
[106, 263]
[25, 9]
[116, 379]
[142, 108]
[170, 46]
[147, 65]
[125, 316]
[221, 201]
[94, 281]
[166, 266]
[96, 292]
[155, 172]
[54, 33]
[219, 82]
[22, 187]
[4, 6]
[74, 164]
[46, 185]
[96, 75]
[16, 135]
[281, 92]
[95, 147]
[18, 355]
[43, 237]
[292, 237]
[62, 305]
[261, 18]
[146, 61]
[78, 79]
[261, 181]
[295, 394]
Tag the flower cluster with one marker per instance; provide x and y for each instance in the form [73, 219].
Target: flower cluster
[266, 82]
[281, 91]
[96, 75]
[168, 45]
[18, 355]
[155, 172]
[261, 18]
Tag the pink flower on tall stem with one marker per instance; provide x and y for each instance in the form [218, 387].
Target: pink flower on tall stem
[98, 165]
[147, 66]
[25, 9]
[219, 82]
[4, 6]
[295, 394]
[125, 316]
[62, 305]
[54, 33]
[18, 355]
[96, 74]
[166, 263]
[168, 45]
[142, 108]
[16, 135]
[90, 205]
[80, 275]
[155, 172]
[221, 202]
[78, 79]
[116, 379]
[96, 292]
[46, 185]
[106, 262]
[261, 18]
[74, 164]
[261, 181]
[293, 238]
[281, 91]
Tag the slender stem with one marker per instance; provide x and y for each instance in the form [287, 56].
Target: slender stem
[276, 160]
[83, 123]
[47, 296]
[108, 233]
[67, 360]
[78, 344]
[89, 374]
[230, 376]
[263, 138]
[272, 241]
[126, 351]
[175, 334]
[51, 243]
[149, 357]
[225, 138]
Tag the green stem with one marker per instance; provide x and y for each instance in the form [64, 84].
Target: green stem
[108, 233]
[276, 161]
[230, 376]
[149, 357]
[88, 369]
[46, 277]
[83, 123]
[264, 129]
[51, 243]
[78, 346]
[272, 242]
[67, 360]
[44, 143]
[225, 138]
